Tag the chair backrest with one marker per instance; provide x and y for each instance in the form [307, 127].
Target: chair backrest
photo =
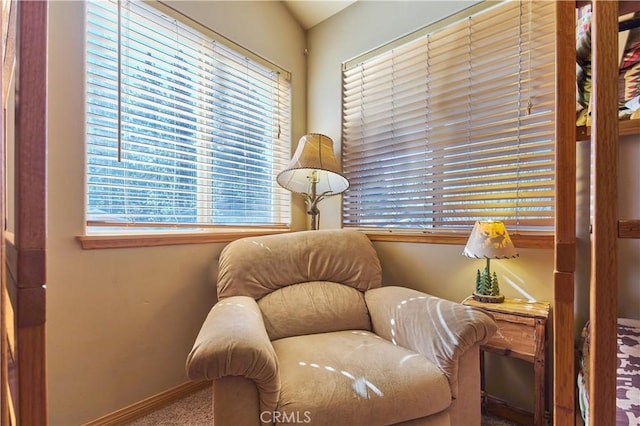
[304, 282]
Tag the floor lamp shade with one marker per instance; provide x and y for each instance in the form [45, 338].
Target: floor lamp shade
[313, 172]
[314, 154]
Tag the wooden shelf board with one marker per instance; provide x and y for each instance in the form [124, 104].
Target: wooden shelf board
[623, 8]
[629, 228]
[626, 127]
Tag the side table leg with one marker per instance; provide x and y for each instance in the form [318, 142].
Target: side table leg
[540, 373]
[483, 393]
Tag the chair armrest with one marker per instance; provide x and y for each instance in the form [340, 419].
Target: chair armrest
[233, 342]
[439, 329]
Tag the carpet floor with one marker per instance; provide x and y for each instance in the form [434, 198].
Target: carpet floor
[195, 410]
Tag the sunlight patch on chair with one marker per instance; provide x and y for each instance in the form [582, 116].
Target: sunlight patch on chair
[454, 339]
[361, 386]
[407, 358]
[393, 331]
[261, 245]
[438, 329]
[347, 375]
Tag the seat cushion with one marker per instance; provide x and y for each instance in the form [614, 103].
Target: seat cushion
[356, 378]
[318, 307]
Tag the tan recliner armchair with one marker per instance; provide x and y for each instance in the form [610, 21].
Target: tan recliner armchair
[303, 333]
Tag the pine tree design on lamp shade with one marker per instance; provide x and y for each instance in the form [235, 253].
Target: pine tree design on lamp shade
[489, 240]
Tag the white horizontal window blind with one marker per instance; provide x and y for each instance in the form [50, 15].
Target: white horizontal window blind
[455, 126]
[181, 129]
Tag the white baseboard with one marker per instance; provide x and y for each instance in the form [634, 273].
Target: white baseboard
[141, 408]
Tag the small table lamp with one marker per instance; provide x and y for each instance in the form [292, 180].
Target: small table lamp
[313, 172]
[489, 240]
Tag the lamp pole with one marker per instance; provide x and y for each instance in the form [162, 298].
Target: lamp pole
[313, 205]
[312, 200]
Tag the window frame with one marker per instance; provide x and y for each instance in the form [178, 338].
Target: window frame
[526, 238]
[124, 234]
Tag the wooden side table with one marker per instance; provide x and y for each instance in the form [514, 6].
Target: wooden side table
[522, 334]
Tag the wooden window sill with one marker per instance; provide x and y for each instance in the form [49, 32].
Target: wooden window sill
[519, 240]
[92, 242]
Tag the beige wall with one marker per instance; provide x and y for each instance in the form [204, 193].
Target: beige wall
[121, 321]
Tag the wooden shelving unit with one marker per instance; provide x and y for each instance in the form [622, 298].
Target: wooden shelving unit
[607, 228]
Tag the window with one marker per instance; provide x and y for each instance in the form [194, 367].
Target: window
[182, 129]
[455, 125]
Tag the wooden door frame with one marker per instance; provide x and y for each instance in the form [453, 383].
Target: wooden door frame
[26, 252]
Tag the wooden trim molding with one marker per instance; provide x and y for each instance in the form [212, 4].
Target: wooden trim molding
[92, 242]
[146, 406]
[501, 408]
[519, 240]
[629, 228]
